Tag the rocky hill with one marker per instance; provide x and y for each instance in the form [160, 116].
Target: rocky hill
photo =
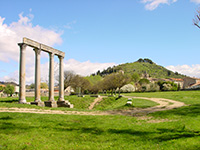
[142, 67]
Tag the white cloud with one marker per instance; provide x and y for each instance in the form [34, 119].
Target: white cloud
[153, 4]
[85, 68]
[13, 33]
[193, 70]
[81, 68]
[195, 1]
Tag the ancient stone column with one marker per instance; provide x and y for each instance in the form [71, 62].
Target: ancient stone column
[37, 75]
[22, 75]
[51, 76]
[61, 79]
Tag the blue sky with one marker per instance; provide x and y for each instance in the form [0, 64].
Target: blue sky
[96, 34]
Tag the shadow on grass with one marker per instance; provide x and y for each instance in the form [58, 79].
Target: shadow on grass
[191, 111]
[171, 134]
[130, 132]
[154, 135]
[12, 128]
[6, 118]
[9, 100]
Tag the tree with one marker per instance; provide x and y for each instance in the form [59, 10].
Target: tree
[80, 82]
[44, 85]
[32, 86]
[9, 89]
[169, 73]
[68, 77]
[1, 88]
[135, 77]
[144, 81]
[114, 81]
[196, 20]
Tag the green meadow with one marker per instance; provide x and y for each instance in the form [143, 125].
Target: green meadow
[170, 130]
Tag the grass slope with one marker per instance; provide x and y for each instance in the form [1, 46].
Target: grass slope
[111, 103]
[153, 70]
[80, 103]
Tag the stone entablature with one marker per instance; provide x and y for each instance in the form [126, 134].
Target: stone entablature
[38, 47]
[43, 47]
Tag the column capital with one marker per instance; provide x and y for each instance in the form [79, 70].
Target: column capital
[60, 57]
[51, 55]
[22, 45]
[37, 51]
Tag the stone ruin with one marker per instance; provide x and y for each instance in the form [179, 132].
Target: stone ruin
[38, 47]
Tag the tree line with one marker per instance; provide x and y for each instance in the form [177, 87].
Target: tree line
[114, 82]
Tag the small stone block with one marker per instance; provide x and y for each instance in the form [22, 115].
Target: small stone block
[129, 103]
[41, 104]
[50, 104]
[64, 104]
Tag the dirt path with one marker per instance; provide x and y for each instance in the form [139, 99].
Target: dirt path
[94, 103]
[164, 104]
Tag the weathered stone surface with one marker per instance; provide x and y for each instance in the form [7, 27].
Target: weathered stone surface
[41, 104]
[61, 79]
[38, 47]
[37, 75]
[43, 47]
[22, 75]
[50, 103]
[64, 104]
[51, 77]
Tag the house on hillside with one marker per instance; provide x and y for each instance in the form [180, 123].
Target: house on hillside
[16, 86]
[191, 83]
[177, 81]
[69, 90]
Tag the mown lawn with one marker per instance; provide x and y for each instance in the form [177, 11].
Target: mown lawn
[112, 103]
[170, 130]
[80, 103]
[188, 97]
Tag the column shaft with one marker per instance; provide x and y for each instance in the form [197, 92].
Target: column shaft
[37, 75]
[51, 76]
[61, 79]
[22, 75]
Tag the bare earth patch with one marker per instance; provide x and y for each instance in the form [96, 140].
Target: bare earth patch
[164, 104]
[97, 100]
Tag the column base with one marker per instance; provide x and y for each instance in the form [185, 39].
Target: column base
[22, 101]
[50, 104]
[65, 104]
[38, 103]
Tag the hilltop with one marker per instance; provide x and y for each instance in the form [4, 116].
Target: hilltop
[142, 67]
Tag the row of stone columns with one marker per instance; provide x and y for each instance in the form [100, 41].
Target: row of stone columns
[22, 80]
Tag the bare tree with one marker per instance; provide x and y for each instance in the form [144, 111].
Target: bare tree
[114, 81]
[196, 20]
[68, 78]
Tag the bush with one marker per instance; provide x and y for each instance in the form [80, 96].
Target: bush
[128, 88]
[144, 81]
[167, 86]
[9, 90]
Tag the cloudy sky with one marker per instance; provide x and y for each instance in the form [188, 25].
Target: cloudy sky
[96, 34]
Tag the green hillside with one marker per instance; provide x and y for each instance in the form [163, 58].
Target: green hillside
[142, 66]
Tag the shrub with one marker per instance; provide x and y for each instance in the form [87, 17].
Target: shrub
[127, 88]
[144, 81]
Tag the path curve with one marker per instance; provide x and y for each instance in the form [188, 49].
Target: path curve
[96, 100]
[164, 104]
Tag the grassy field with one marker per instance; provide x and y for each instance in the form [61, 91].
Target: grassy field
[176, 129]
[80, 103]
[112, 103]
